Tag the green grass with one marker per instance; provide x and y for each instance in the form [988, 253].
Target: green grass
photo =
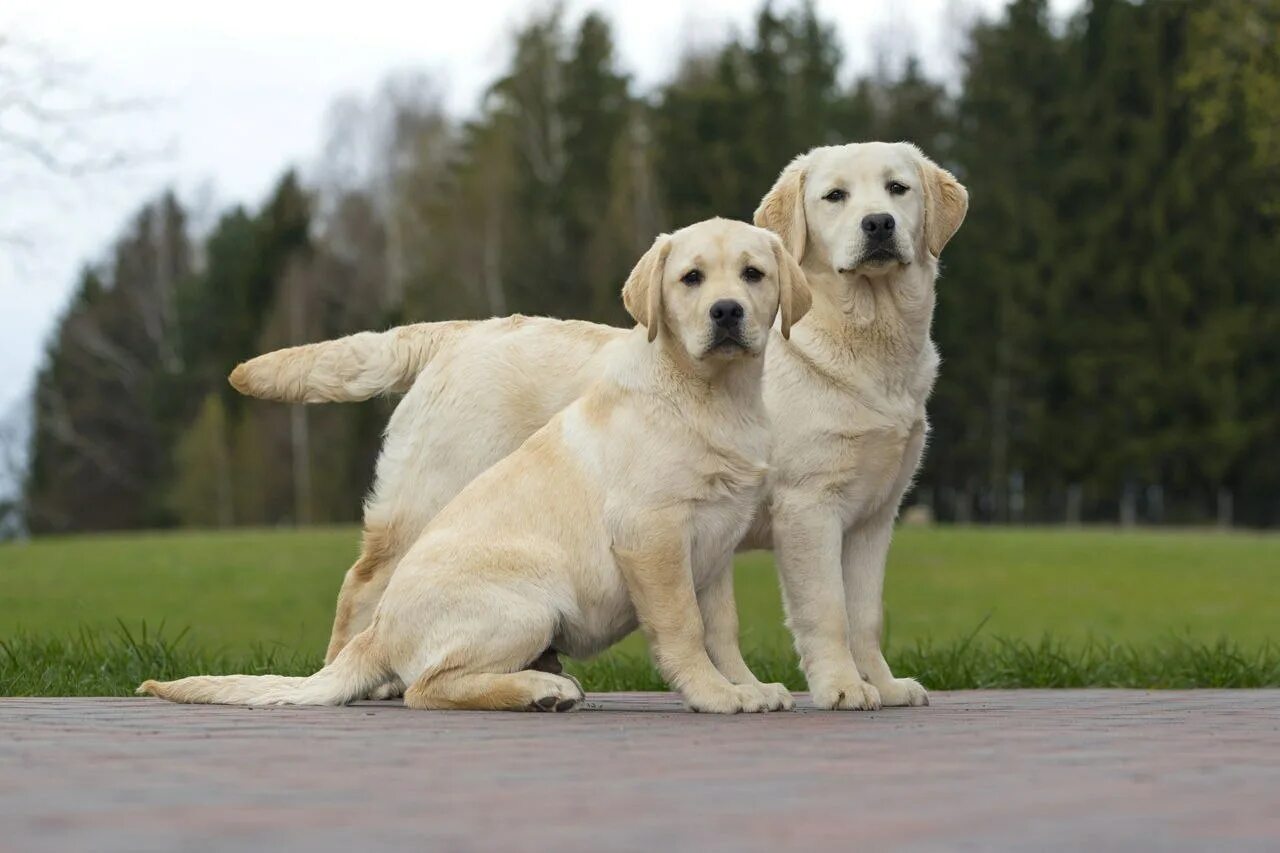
[967, 607]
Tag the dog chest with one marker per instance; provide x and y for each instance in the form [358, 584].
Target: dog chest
[876, 466]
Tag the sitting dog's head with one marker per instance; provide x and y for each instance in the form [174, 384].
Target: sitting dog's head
[715, 288]
[868, 208]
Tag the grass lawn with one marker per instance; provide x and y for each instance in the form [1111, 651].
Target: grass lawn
[966, 607]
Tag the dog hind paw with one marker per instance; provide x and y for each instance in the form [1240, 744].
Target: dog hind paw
[559, 694]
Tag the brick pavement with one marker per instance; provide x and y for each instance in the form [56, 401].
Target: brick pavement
[1037, 770]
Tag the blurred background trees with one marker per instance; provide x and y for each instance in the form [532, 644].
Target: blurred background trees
[1109, 316]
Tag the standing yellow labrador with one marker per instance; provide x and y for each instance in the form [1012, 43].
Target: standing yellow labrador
[846, 395]
[625, 507]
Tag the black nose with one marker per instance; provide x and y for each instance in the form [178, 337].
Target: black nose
[727, 313]
[878, 226]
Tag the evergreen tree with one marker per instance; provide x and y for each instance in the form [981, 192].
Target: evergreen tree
[102, 413]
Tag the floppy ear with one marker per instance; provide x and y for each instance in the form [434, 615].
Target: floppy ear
[782, 208]
[945, 203]
[793, 288]
[642, 294]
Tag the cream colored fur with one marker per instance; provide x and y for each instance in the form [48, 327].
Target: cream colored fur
[846, 395]
[623, 510]
[356, 367]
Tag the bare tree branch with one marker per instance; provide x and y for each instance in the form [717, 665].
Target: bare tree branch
[124, 367]
[13, 470]
[51, 114]
[63, 428]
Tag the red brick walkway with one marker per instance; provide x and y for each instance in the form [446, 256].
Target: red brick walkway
[1032, 770]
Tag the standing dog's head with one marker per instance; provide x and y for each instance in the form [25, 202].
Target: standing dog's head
[868, 208]
[716, 287]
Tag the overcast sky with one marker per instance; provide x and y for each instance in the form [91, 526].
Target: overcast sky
[237, 91]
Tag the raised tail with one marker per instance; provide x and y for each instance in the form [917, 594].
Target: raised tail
[345, 370]
[354, 673]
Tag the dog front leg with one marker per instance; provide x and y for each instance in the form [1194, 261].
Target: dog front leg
[720, 621]
[865, 551]
[659, 580]
[807, 544]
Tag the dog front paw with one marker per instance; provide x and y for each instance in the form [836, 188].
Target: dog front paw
[720, 699]
[903, 691]
[847, 692]
[771, 697]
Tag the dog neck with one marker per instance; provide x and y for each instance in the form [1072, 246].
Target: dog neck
[665, 369]
[877, 320]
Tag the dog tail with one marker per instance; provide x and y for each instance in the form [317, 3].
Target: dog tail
[355, 672]
[345, 370]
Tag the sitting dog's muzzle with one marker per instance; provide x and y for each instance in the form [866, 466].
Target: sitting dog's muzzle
[726, 325]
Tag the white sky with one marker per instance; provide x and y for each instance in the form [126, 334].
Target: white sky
[239, 90]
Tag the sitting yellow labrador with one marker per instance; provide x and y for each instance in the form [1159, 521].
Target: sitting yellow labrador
[622, 508]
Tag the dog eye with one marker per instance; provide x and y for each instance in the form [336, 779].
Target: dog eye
[896, 188]
[836, 196]
[692, 277]
[752, 274]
